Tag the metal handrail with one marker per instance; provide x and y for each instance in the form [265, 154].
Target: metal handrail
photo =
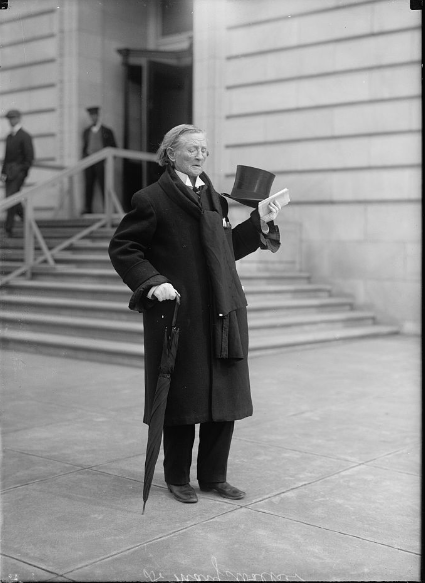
[31, 229]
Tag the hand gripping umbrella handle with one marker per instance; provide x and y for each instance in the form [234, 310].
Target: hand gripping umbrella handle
[176, 309]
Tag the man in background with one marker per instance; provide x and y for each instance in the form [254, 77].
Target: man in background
[95, 138]
[18, 159]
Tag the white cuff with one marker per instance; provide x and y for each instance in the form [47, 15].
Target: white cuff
[150, 292]
[264, 227]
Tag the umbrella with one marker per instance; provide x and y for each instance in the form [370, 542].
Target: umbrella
[156, 421]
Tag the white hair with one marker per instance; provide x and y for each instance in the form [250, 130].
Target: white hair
[171, 140]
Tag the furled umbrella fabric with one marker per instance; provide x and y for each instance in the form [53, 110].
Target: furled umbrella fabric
[156, 422]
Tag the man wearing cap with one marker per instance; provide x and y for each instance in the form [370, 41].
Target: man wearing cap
[95, 138]
[177, 239]
[18, 159]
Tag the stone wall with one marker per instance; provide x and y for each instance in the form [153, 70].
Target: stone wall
[59, 57]
[327, 95]
[28, 78]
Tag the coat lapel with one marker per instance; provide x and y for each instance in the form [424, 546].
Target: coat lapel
[182, 195]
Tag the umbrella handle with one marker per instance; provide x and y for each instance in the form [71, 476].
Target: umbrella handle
[176, 309]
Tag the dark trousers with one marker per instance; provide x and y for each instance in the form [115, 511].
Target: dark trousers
[93, 174]
[12, 187]
[213, 452]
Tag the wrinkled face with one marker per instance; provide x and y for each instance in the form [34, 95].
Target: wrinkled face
[190, 154]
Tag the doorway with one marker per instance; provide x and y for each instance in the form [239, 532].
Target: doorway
[169, 104]
[158, 96]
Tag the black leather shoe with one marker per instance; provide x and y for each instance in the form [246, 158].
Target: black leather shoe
[223, 488]
[183, 493]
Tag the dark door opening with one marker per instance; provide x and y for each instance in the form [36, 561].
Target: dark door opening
[169, 104]
[158, 97]
[132, 169]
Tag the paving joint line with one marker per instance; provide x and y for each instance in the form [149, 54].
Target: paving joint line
[93, 469]
[5, 490]
[155, 539]
[63, 422]
[336, 531]
[78, 468]
[283, 492]
[30, 564]
[355, 465]
[43, 457]
[403, 472]
[293, 449]
[68, 407]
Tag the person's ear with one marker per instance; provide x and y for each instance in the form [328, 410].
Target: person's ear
[170, 154]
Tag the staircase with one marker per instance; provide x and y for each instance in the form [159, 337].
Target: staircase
[79, 308]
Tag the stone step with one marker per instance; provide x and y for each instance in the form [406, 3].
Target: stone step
[128, 353]
[108, 275]
[105, 275]
[81, 246]
[9, 266]
[79, 307]
[115, 310]
[80, 223]
[120, 292]
[61, 233]
[89, 245]
[103, 234]
[126, 331]
[261, 343]
[84, 327]
[308, 321]
[66, 257]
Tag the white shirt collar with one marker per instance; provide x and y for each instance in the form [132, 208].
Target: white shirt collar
[16, 128]
[96, 128]
[186, 180]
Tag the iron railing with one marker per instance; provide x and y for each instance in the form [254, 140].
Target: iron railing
[28, 197]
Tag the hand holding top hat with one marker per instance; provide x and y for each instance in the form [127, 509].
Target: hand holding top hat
[252, 188]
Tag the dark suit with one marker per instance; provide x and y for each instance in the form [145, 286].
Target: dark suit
[96, 173]
[18, 159]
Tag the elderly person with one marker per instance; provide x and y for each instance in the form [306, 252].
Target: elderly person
[177, 239]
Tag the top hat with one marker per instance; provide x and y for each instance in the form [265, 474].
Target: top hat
[94, 109]
[251, 185]
[13, 113]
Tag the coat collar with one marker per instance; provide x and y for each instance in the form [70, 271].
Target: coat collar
[184, 196]
[186, 180]
[16, 129]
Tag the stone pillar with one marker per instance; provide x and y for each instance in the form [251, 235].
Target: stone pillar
[68, 130]
[208, 78]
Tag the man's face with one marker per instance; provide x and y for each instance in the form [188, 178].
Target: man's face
[94, 118]
[14, 120]
[190, 154]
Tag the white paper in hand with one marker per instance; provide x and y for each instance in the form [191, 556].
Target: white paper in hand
[282, 197]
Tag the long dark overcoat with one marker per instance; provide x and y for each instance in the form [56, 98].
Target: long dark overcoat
[159, 241]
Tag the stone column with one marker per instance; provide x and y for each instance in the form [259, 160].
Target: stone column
[208, 79]
[68, 130]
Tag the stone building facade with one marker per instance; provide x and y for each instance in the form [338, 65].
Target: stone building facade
[326, 94]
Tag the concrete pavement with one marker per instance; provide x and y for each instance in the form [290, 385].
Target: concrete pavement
[330, 462]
